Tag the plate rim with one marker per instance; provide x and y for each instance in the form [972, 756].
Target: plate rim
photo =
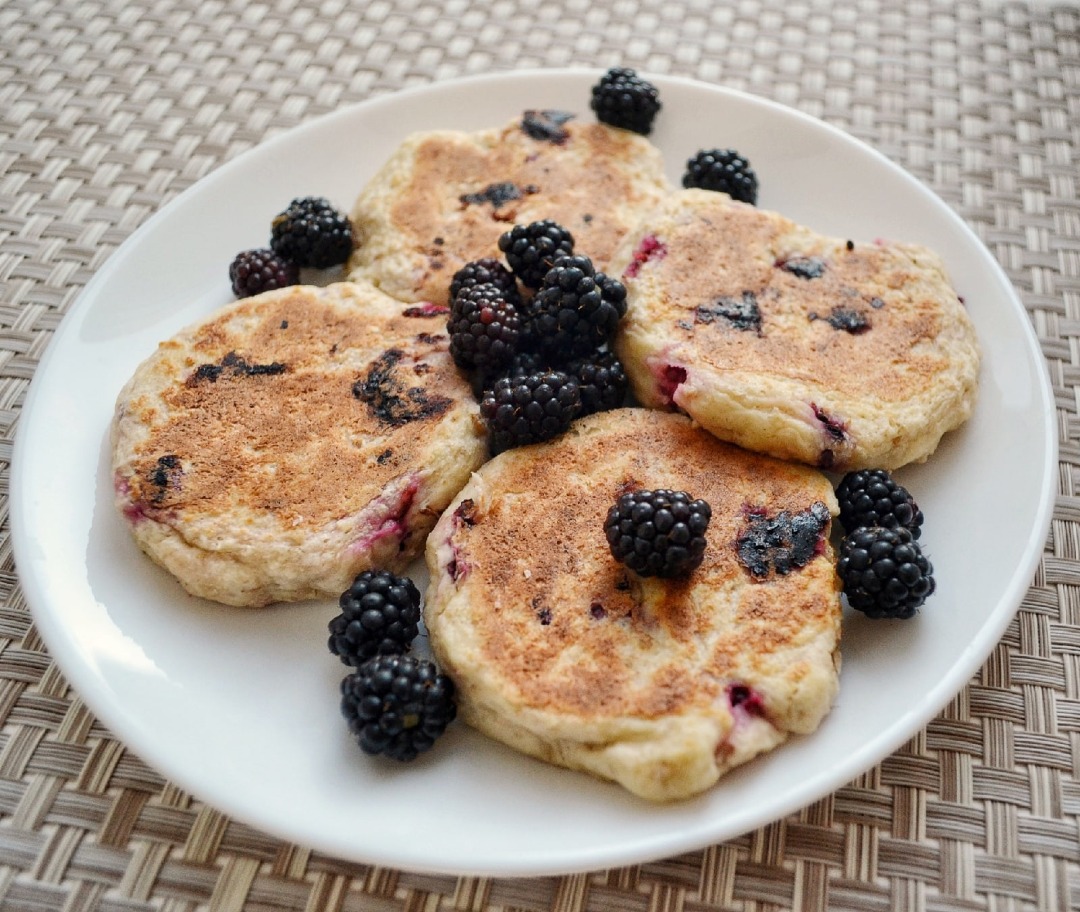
[82, 677]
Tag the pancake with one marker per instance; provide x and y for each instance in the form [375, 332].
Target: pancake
[561, 652]
[790, 343]
[444, 197]
[290, 440]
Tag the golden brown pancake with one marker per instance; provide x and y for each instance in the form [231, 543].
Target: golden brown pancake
[444, 197]
[661, 685]
[787, 342]
[291, 440]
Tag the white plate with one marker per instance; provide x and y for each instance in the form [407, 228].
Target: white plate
[241, 708]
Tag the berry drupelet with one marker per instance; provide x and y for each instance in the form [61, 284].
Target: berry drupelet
[380, 613]
[870, 497]
[486, 271]
[724, 171]
[658, 533]
[530, 250]
[484, 327]
[576, 310]
[397, 706]
[255, 271]
[531, 409]
[884, 572]
[311, 232]
[623, 99]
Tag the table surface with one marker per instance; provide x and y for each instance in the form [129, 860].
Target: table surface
[109, 109]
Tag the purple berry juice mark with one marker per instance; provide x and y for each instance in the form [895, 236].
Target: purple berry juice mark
[465, 514]
[236, 366]
[805, 267]
[388, 399]
[165, 474]
[426, 309]
[833, 427]
[543, 612]
[782, 543]
[547, 125]
[497, 194]
[745, 700]
[670, 378]
[847, 320]
[650, 248]
[394, 523]
[597, 611]
[739, 313]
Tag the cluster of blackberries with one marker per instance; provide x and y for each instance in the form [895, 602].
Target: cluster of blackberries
[395, 704]
[623, 99]
[534, 335]
[658, 533]
[881, 565]
[309, 233]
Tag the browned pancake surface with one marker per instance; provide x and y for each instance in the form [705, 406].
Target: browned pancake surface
[447, 196]
[297, 409]
[565, 627]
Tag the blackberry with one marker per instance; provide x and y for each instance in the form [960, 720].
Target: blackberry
[380, 613]
[623, 99]
[484, 327]
[577, 309]
[487, 271]
[658, 533]
[530, 250]
[602, 379]
[722, 170]
[519, 411]
[397, 705]
[870, 497]
[256, 271]
[311, 232]
[884, 572]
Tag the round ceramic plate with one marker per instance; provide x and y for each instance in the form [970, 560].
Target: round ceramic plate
[241, 707]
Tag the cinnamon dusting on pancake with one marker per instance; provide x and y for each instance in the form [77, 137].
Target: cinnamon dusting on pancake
[655, 647]
[295, 442]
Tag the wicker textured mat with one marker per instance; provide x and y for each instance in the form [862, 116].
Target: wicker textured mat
[109, 109]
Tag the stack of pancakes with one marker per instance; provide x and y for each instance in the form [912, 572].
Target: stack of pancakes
[290, 440]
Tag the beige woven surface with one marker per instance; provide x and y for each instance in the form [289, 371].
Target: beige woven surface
[109, 109]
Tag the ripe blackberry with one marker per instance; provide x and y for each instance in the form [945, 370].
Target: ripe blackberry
[311, 232]
[722, 170]
[486, 271]
[519, 411]
[397, 705]
[884, 572]
[603, 381]
[658, 533]
[530, 250]
[623, 99]
[484, 327]
[870, 497]
[256, 271]
[379, 616]
[577, 309]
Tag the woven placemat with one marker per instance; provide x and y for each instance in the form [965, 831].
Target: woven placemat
[109, 109]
